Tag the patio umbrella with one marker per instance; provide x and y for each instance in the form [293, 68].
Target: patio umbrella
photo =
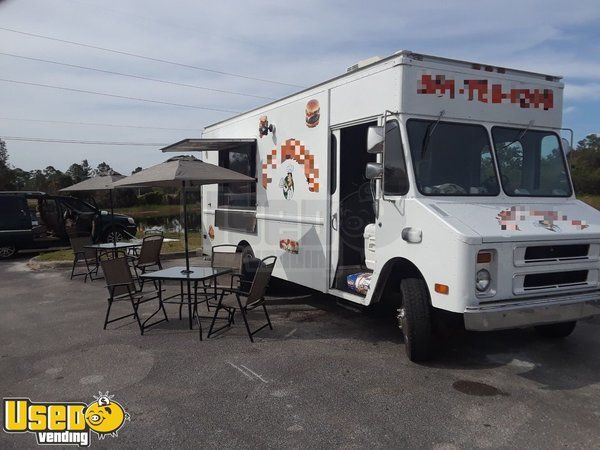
[182, 172]
[99, 183]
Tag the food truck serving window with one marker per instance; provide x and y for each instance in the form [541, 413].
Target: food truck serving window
[241, 159]
[531, 163]
[452, 159]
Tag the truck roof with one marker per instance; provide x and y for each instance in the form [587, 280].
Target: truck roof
[353, 70]
[22, 193]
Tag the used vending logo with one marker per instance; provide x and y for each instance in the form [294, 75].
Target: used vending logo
[485, 92]
[65, 423]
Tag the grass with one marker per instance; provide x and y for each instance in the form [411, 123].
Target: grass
[149, 211]
[592, 200]
[194, 241]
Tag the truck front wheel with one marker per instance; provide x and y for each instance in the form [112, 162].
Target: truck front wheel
[556, 330]
[414, 317]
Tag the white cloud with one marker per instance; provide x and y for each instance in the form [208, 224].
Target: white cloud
[590, 91]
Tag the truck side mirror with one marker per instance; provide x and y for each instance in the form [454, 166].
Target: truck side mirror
[375, 139]
[566, 146]
[374, 171]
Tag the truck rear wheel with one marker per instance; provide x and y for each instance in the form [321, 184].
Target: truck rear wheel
[414, 317]
[7, 251]
[556, 330]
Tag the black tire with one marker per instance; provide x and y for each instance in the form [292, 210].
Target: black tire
[415, 319]
[118, 232]
[556, 330]
[246, 251]
[7, 251]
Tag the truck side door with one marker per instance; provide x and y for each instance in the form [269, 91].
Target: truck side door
[15, 223]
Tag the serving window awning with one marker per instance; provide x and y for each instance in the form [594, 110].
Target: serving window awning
[210, 145]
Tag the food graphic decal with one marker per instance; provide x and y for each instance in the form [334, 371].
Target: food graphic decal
[292, 150]
[313, 113]
[264, 127]
[509, 219]
[287, 182]
[289, 245]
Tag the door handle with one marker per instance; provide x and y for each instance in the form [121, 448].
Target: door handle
[334, 220]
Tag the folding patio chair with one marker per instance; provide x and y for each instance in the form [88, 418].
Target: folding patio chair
[149, 256]
[84, 255]
[227, 256]
[121, 287]
[246, 300]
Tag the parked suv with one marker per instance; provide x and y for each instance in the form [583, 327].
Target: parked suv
[35, 220]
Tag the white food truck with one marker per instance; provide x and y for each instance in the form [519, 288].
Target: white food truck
[430, 183]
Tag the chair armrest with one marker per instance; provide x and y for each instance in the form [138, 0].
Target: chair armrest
[234, 276]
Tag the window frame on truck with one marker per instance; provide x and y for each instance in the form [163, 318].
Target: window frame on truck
[224, 189]
[415, 162]
[547, 133]
[398, 162]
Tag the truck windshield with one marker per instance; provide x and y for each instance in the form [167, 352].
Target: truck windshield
[452, 159]
[531, 164]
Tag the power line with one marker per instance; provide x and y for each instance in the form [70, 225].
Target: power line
[77, 141]
[95, 69]
[162, 23]
[149, 58]
[98, 124]
[139, 99]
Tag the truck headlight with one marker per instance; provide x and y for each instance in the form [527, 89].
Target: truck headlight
[482, 280]
[131, 221]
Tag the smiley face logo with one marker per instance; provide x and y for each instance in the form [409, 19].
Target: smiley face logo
[105, 416]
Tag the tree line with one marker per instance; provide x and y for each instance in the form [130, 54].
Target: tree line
[51, 180]
[584, 161]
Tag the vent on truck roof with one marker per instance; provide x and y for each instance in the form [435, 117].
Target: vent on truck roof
[363, 63]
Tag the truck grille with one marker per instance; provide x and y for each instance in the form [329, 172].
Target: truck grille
[545, 268]
[554, 279]
[556, 253]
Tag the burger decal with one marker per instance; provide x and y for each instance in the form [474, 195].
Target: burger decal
[313, 113]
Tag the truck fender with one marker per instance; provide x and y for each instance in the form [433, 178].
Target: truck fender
[390, 275]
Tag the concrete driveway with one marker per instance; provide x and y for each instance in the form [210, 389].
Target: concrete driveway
[325, 377]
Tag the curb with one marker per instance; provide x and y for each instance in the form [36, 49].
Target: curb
[34, 264]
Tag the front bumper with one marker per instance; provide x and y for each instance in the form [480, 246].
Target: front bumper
[523, 313]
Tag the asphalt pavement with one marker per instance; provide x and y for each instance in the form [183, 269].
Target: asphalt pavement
[325, 376]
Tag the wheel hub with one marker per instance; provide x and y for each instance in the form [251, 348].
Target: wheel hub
[401, 314]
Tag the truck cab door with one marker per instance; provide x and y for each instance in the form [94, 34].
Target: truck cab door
[334, 206]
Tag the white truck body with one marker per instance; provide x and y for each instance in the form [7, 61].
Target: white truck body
[557, 280]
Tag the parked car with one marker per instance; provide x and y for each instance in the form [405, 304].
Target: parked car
[35, 220]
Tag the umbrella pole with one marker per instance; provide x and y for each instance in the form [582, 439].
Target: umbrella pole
[185, 229]
[112, 218]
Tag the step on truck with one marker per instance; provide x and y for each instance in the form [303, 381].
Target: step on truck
[421, 182]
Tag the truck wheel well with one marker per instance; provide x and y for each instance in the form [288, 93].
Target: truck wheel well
[388, 282]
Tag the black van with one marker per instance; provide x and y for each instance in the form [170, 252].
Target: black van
[35, 220]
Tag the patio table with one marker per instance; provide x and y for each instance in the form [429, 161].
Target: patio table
[182, 275]
[111, 246]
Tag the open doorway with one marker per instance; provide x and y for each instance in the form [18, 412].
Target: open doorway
[355, 207]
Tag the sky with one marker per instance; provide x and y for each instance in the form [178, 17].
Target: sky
[299, 43]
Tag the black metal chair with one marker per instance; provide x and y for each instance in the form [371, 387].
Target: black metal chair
[226, 256]
[247, 298]
[84, 255]
[149, 256]
[121, 287]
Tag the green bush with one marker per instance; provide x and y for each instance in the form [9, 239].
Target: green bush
[152, 198]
